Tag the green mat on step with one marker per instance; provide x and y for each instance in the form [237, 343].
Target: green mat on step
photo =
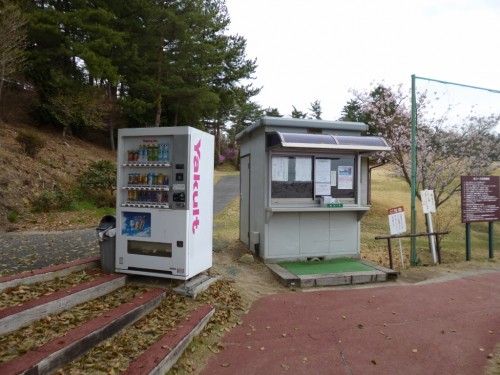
[325, 266]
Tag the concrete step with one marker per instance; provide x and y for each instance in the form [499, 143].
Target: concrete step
[47, 273]
[65, 349]
[163, 355]
[60, 351]
[15, 317]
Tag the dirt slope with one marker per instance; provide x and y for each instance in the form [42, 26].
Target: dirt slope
[23, 178]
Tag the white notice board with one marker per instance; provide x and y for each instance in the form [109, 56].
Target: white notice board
[397, 220]
[322, 177]
[428, 202]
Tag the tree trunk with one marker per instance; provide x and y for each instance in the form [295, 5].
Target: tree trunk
[111, 93]
[217, 137]
[2, 78]
[158, 110]
[158, 77]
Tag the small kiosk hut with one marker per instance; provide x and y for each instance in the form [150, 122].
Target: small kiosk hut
[304, 187]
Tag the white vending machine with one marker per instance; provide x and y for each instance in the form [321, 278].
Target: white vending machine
[164, 208]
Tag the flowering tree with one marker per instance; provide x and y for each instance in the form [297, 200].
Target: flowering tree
[446, 150]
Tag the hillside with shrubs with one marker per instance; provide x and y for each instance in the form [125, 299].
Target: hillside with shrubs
[46, 180]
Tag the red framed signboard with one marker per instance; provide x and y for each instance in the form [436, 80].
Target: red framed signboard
[480, 198]
[397, 221]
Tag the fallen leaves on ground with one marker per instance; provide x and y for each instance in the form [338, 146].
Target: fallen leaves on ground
[39, 333]
[115, 354]
[23, 293]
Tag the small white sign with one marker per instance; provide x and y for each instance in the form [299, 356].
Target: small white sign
[397, 220]
[178, 187]
[428, 202]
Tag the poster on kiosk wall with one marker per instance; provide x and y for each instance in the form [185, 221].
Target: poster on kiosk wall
[164, 202]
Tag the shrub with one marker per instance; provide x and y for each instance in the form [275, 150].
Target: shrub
[100, 176]
[98, 183]
[31, 143]
[52, 201]
[12, 216]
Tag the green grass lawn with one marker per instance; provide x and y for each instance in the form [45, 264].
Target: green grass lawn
[325, 266]
[389, 191]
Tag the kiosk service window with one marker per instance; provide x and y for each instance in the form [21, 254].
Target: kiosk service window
[302, 179]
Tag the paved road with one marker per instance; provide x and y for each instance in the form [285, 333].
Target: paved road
[225, 191]
[441, 328]
[27, 251]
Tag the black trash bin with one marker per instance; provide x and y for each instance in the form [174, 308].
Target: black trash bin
[107, 242]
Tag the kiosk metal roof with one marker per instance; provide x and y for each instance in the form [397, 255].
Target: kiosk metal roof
[326, 141]
[279, 122]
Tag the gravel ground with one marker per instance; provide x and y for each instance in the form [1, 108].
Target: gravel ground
[25, 251]
[29, 251]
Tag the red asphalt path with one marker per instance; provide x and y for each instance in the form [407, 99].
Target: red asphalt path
[441, 328]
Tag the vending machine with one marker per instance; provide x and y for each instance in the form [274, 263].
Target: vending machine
[164, 208]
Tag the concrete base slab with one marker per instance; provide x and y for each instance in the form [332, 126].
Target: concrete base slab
[378, 274]
[196, 285]
[284, 276]
[390, 274]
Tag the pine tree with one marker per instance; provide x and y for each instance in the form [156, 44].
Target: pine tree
[12, 41]
[316, 110]
[298, 114]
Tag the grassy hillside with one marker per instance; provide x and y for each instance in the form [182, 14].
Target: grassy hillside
[388, 192]
[55, 168]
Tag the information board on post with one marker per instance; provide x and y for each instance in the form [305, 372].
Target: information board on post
[480, 198]
[428, 201]
[397, 220]
[397, 225]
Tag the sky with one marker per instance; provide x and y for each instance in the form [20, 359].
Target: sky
[321, 49]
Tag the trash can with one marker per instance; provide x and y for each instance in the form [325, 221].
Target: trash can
[106, 234]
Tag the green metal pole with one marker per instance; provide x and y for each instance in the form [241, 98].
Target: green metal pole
[491, 239]
[413, 251]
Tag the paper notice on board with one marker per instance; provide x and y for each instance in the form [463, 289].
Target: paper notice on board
[345, 178]
[322, 189]
[279, 169]
[333, 178]
[323, 168]
[303, 169]
[322, 177]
